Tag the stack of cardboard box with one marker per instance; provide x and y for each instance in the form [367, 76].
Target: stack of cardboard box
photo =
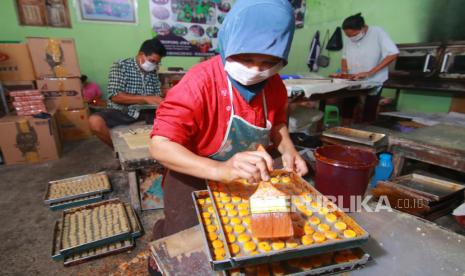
[53, 65]
[58, 78]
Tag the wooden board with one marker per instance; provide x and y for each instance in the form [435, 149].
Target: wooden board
[458, 104]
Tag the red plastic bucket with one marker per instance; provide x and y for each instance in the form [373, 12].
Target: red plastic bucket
[343, 172]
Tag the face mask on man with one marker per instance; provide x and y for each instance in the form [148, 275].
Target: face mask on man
[148, 66]
[247, 76]
[357, 37]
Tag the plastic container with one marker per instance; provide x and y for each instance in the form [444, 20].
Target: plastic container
[343, 172]
[383, 170]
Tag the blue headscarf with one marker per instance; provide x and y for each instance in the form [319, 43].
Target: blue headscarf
[257, 27]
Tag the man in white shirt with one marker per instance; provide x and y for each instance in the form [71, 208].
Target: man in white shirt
[366, 55]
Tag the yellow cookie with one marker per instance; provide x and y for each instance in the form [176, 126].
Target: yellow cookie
[212, 236]
[201, 201]
[331, 217]
[243, 238]
[264, 246]
[308, 212]
[319, 237]
[220, 205]
[323, 211]
[243, 206]
[210, 209]
[225, 220]
[307, 240]
[331, 235]
[217, 244]
[308, 197]
[225, 199]
[250, 246]
[223, 212]
[314, 220]
[207, 221]
[278, 245]
[234, 248]
[206, 215]
[239, 229]
[349, 233]
[291, 243]
[231, 238]
[219, 253]
[236, 199]
[229, 206]
[228, 228]
[323, 227]
[243, 212]
[232, 213]
[308, 229]
[236, 221]
[274, 180]
[286, 179]
[246, 221]
[340, 226]
[315, 204]
[211, 228]
[208, 200]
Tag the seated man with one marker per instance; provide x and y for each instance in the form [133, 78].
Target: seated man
[131, 81]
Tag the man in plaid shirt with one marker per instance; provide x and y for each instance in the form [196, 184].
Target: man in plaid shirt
[131, 81]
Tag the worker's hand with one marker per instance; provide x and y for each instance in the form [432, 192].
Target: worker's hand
[292, 161]
[251, 165]
[361, 76]
[155, 100]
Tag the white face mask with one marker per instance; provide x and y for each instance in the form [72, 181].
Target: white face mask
[357, 37]
[247, 76]
[148, 66]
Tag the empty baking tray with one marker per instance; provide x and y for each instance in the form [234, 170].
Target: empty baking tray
[356, 136]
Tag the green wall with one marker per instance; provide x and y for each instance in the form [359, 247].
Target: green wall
[100, 44]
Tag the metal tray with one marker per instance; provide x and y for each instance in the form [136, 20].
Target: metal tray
[102, 251]
[77, 180]
[136, 226]
[301, 250]
[56, 242]
[357, 136]
[123, 235]
[319, 264]
[433, 188]
[75, 202]
[216, 264]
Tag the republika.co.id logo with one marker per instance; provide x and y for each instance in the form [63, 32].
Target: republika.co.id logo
[4, 57]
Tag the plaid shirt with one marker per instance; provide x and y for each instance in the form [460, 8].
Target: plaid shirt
[126, 76]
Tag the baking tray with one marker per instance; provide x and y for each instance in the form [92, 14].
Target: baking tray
[357, 136]
[432, 188]
[122, 235]
[75, 202]
[99, 252]
[199, 209]
[136, 227]
[77, 180]
[287, 253]
[56, 242]
[319, 264]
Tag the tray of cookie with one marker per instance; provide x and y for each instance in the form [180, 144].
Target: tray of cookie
[93, 225]
[99, 252]
[75, 202]
[318, 264]
[215, 241]
[319, 226]
[77, 187]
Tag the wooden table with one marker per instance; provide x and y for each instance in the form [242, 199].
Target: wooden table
[400, 244]
[132, 159]
[440, 145]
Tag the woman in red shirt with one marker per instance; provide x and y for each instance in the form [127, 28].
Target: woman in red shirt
[211, 122]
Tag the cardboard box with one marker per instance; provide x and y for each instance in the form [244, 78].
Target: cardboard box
[53, 58]
[18, 85]
[74, 124]
[62, 94]
[27, 140]
[15, 63]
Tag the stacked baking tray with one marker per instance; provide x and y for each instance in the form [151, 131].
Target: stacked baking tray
[76, 191]
[319, 226]
[95, 230]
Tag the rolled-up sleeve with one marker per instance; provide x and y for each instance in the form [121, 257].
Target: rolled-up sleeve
[178, 116]
[116, 80]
